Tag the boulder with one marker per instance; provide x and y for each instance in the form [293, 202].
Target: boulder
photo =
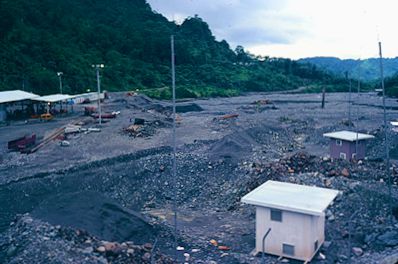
[389, 238]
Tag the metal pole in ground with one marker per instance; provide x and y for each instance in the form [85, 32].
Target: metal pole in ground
[60, 81]
[357, 128]
[349, 102]
[174, 145]
[386, 143]
[97, 67]
[60, 85]
[263, 246]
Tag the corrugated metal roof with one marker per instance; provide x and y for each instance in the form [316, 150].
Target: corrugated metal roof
[15, 95]
[54, 98]
[348, 135]
[291, 197]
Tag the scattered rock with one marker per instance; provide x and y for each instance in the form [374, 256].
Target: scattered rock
[389, 238]
[321, 256]
[214, 242]
[326, 244]
[147, 256]
[100, 249]
[148, 246]
[87, 250]
[345, 172]
[393, 259]
[357, 251]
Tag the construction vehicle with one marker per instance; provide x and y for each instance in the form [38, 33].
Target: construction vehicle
[46, 117]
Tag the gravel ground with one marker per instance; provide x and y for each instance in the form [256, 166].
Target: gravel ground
[119, 187]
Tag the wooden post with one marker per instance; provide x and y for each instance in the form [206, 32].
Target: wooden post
[323, 97]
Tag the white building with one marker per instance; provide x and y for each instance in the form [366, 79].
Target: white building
[10, 97]
[87, 97]
[294, 213]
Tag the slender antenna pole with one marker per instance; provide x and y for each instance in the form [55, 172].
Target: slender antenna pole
[349, 103]
[99, 95]
[385, 132]
[174, 144]
[357, 128]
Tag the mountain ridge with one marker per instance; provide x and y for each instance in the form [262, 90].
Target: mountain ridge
[43, 37]
[364, 69]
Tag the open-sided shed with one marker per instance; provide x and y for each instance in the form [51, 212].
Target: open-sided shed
[9, 97]
[53, 99]
[295, 216]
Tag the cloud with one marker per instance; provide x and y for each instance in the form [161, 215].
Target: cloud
[240, 22]
[292, 28]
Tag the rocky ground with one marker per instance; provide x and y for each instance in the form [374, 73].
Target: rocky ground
[117, 185]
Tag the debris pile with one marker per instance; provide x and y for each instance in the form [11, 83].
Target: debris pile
[22, 144]
[144, 128]
[30, 240]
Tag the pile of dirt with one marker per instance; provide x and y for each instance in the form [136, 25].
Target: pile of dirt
[29, 240]
[233, 147]
[99, 215]
[146, 128]
[187, 107]
[167, 109]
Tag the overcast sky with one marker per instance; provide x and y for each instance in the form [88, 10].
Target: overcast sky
[296, 28]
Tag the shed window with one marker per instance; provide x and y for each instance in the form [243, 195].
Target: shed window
[339, 142]
[288, 249]
[316, 245]
[343, 155]
[276, 215]
[354, 155]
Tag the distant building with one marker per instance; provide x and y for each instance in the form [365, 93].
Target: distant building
[13, 97]
[295, 216]
[343, 144]
[87, 97]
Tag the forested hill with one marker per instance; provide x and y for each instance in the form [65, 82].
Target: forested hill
[42, 37]
[366, 69]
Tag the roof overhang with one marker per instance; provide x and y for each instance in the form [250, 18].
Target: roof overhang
[15, 96]
[348, 135]
[291, 197]
[53, 98]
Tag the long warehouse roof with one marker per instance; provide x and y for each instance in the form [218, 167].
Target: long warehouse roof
[53, 98]
[15, 95]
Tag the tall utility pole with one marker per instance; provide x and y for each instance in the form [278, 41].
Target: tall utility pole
[386, 143]
[357, 126]
[60, 81]
[174, 144]
[349, 98]
[97, 68]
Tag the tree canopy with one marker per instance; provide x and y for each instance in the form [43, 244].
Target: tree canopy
[42, 37]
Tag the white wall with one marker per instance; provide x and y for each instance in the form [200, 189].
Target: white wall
[297, 229]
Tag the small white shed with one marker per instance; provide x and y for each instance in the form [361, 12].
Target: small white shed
[294, 213]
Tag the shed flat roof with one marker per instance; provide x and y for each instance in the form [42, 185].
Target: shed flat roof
[394, 123]
[347, 135]
[53, 98]
[291, 197]
[15, 95]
